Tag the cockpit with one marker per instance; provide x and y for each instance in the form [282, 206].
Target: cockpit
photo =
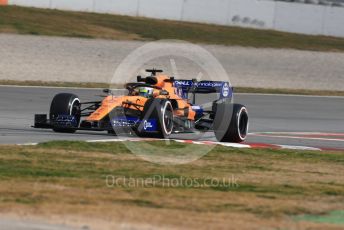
[146, 92]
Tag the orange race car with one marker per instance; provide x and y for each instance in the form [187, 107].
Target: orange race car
[154, 106]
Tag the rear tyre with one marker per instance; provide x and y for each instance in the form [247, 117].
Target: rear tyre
[231, 123]
[161, 111]
[65, 104]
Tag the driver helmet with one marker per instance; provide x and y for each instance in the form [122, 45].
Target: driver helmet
[145, 92]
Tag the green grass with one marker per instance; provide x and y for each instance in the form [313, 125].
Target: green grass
[69, 178]
[90, 25]
[334, 217]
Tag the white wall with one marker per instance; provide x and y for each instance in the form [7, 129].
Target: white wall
[164, 9]
[334, 21]
[76, 5]
[282, 16]
[252, 13]
[32, 3]
[127, 7]
[214, 11]
[299, 18]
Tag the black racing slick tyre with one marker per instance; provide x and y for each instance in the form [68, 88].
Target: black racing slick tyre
[65, 104]
[231, 123]
[161, 111]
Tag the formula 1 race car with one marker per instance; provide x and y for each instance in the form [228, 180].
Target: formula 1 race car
[155, 106]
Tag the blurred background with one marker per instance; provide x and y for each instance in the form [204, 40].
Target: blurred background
[316, 17]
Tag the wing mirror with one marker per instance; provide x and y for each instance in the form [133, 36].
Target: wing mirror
[164, 92]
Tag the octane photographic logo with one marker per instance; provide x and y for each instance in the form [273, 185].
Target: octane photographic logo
[182, 60]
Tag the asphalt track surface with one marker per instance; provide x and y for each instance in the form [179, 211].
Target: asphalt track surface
[274, 119]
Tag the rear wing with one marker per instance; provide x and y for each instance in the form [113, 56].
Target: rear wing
[184, 87]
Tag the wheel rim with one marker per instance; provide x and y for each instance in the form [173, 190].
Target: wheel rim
[75, 109]
[75, 106]
[243, 123]
[168, 118]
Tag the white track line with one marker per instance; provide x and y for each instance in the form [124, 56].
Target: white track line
[106, 140]
[28, 144]
[301, 133]
[299, 147]
[232, 145]
[300, 137]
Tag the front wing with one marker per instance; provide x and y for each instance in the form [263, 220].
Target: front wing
[117, 123]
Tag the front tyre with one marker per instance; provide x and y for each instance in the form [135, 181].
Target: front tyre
[234, 129]
[161, 112]
[65, 104]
